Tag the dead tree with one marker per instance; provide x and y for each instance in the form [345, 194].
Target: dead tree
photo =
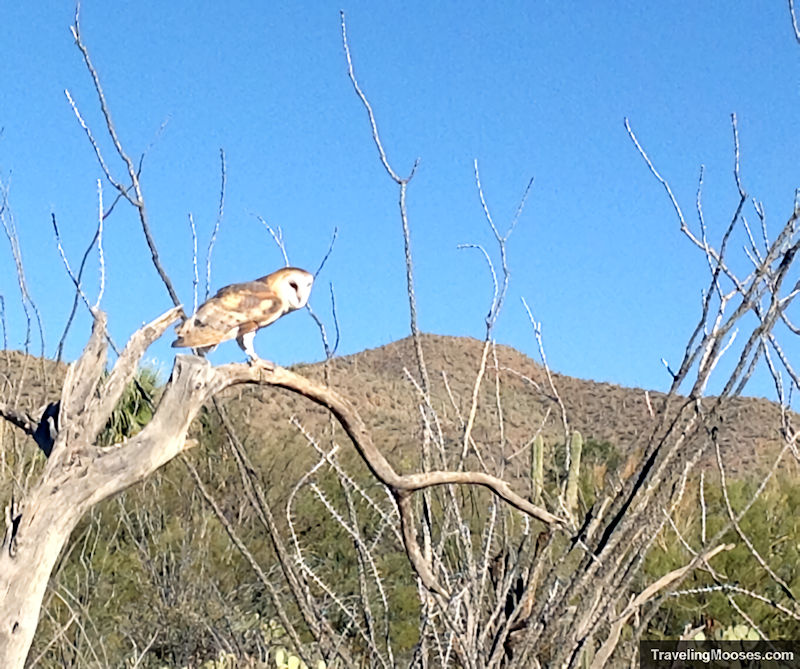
[499, 610]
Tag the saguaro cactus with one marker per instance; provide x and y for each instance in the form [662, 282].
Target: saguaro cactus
[537, 468]
[575, 448]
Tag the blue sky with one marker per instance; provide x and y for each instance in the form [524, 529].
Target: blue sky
[529, 89]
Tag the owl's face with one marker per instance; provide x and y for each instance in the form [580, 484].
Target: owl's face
[293, 286]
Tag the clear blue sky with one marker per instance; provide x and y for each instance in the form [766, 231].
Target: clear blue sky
[530, 89]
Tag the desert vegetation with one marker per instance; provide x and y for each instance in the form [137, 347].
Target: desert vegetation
[440, 501]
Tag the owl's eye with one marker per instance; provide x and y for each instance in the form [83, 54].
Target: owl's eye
[293, 284]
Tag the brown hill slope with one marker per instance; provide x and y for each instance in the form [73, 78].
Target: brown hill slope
[379, 382]
[27, 382]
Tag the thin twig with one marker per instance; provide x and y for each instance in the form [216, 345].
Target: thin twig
[220, 211]
[100, 256]
[64, 260]
[328, 252]
[795, 27]
[3, 322]
[195, 277]
[277, 237]
[403, 186]
[28, 305]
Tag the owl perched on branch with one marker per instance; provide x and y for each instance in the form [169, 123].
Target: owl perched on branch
[239, 310]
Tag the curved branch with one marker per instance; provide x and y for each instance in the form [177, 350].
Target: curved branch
[648, 593]
[401, 485]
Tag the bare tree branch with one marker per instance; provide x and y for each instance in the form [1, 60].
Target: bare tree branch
[795, 27]
[137, 199]
[28, 305]
[403, 186]
[650, 591]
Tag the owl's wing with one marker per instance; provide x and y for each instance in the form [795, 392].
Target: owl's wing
[248, 306]
[253, 301]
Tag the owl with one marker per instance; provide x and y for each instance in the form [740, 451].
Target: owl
[239, 310]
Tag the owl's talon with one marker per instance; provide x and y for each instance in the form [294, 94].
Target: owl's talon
[268, 365]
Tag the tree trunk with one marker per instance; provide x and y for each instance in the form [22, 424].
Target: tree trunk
[25, 567]
[79, 474]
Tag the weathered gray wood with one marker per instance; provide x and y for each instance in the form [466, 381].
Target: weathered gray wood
[78, 474]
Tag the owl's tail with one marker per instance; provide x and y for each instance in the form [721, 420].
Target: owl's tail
[194, 335]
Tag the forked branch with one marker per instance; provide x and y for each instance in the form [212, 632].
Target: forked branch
[401, 485]
[402, 183]
[137, 199]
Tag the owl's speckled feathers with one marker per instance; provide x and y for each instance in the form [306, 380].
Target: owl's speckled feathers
[239, 310]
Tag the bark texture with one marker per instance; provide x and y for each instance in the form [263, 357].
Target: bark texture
[79, 474]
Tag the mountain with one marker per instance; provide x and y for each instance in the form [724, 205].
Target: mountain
[380, 383]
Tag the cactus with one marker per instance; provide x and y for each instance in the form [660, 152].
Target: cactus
[273, 632]
[286, 660]
[575, 448]
[537, 468]
[731, 633]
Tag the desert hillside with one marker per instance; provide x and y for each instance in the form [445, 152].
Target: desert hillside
[379, 382]
[154, 567]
